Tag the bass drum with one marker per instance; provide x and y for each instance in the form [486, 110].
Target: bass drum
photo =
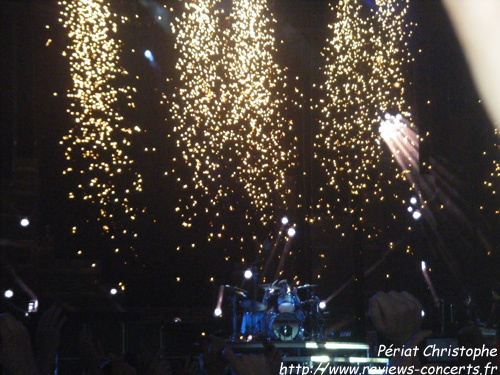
[285, 326]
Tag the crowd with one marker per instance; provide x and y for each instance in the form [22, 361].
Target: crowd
[396, 316]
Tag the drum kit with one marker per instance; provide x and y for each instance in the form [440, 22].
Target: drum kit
[282, 315]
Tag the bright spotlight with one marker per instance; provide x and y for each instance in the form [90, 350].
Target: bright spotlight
[248, 274]
[410, 209]
[388, 127]
[284, 220]
[413, 200]
[291, 232]
[149, 55]
[24, 222]
[424, 265]
[9, 293]
[217, 312]
[417, 215]
[322, 305]
[113, 291]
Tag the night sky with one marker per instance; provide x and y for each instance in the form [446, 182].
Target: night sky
[163, 271]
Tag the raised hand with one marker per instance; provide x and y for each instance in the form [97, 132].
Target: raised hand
[248, 364]
[398, 316]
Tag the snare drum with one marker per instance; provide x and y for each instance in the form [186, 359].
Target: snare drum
[285, 326]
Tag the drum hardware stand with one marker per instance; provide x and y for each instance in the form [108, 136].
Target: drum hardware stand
[235, 292]
[313, 325]
[317, 324]
[235, 317]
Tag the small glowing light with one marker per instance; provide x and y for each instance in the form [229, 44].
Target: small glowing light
[417, 215]
[284, 220]
[217, 312]
[423, 313]
[24, 222]
[410, 209]
[177, 320]
[248, 274]
[9, 293]
[322, 305]
[424, 265]
[291, 232]
[149, 55]
[113, 291]
[413, 200]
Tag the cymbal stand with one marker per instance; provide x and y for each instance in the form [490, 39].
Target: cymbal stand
[234, 303]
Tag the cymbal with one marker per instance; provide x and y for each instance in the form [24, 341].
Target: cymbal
[305, 286]
[270, 287]
[253, 306]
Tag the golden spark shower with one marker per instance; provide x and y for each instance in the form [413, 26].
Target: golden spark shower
[98, 142]
[229, 110]
[366, 59]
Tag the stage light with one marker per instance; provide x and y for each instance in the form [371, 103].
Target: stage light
[24, 222]
[284, 220]
[320, 358]
[33, 306]
[291, 232]
[417, 215]
[322, 305]
[413, 200]
[248, 274]
[113, 291]
[410, 209]
[149, 55]
[424, 266]
[9, 293]
[217, 312]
